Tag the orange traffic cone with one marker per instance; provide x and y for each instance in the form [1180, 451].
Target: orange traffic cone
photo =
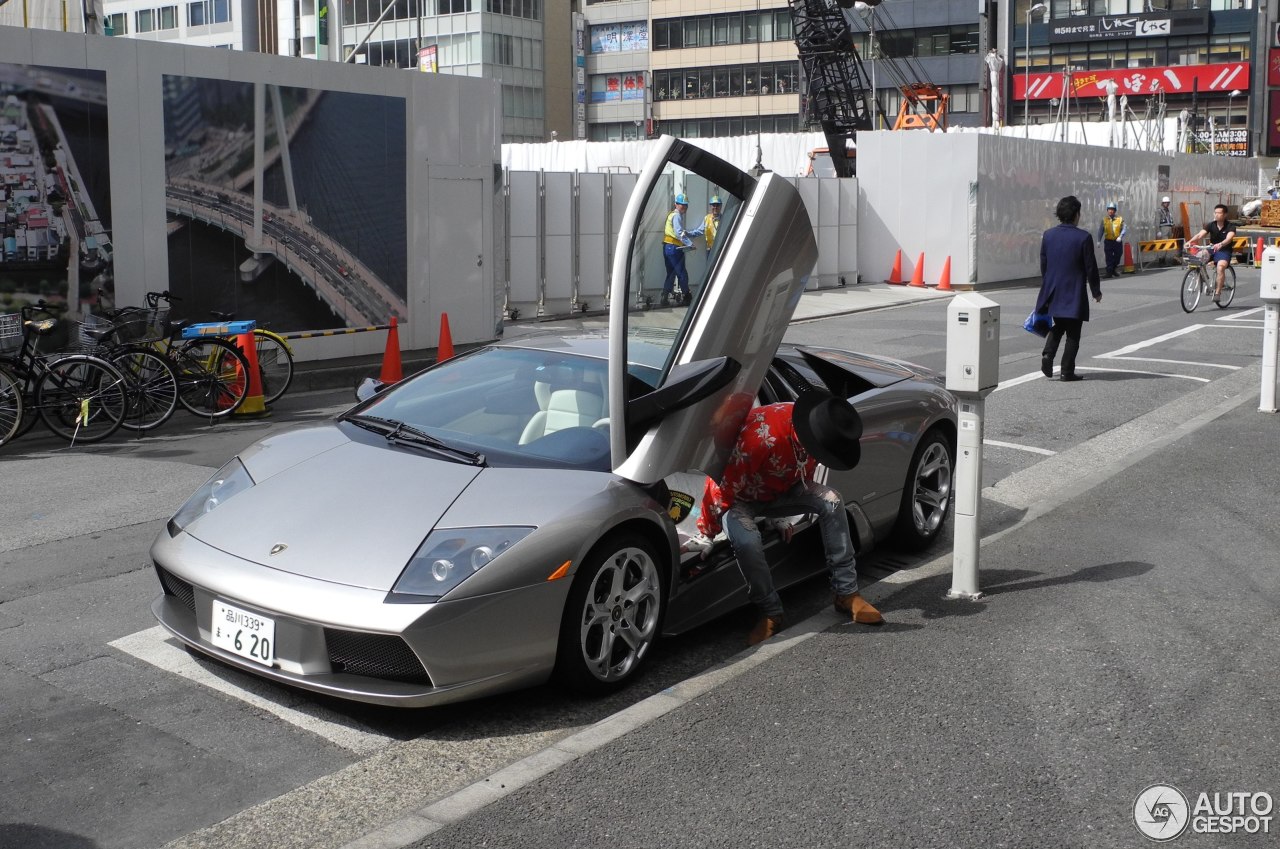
[917, 275]
[1257, 254]
[253, 404]
[944, 282]
[1128, 258]
[391, 357]
[895, 276]
[444, 348]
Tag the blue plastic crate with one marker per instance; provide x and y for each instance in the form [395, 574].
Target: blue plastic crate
[219, 328]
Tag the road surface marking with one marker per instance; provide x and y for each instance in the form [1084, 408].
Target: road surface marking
[998, 444]
[157, 648]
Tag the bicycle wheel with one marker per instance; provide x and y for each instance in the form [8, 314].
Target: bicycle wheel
[1228, 288]
[82, 398]
[212, 377]
[275, 365]
[1191, 290]
[152, 386]
[10, 406]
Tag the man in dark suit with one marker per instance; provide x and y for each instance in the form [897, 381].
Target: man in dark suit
[1067, 266]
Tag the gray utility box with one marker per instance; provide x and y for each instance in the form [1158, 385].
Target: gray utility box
[973, 344]
[1270, 290]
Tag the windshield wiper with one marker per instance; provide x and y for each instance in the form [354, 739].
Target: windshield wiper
[406, 434]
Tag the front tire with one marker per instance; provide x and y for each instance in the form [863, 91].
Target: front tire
[926, 495]
[1228, 288]
[612, 616]
[1191, 290]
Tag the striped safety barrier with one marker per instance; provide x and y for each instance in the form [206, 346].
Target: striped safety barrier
[1159, 245]
[342, 331]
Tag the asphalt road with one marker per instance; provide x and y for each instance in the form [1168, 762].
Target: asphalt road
[1128, 638]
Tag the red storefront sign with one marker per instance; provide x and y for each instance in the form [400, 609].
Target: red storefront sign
[1178, 79]
[1273, 124]
[1273, 68]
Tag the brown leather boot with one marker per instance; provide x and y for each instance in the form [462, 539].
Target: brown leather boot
[764, 629]
[859, 609]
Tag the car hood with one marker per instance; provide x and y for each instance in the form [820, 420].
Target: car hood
[333, 508]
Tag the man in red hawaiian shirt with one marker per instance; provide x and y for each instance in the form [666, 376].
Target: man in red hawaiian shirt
[770, 473]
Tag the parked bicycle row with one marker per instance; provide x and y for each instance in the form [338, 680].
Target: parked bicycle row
[130, 368]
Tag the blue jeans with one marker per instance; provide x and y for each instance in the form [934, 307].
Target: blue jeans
[674, 259]
[806, 497]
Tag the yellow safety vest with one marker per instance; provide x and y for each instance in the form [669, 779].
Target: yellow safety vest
[671, 237]
[1111, 227]
[709, 229]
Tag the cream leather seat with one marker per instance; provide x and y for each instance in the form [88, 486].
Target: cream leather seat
[565, 408]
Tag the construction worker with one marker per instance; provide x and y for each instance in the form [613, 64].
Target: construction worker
[675, 241]
[711, 222]
[1164, 225]
[1111, 237]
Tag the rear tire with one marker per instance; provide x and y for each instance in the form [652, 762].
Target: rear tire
[275, 367]
[82, 399]
[1191, 290]
[212, 377]
[927, 493]
[612, 616]
[152, 387]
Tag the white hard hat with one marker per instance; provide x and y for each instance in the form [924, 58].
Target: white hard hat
[1164, 199]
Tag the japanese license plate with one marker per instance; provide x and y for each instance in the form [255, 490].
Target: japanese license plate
[241, 632]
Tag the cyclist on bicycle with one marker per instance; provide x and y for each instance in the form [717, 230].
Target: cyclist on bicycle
[1221, 233]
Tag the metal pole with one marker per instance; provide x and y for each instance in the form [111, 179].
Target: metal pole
[1026, 81]
[967, 518]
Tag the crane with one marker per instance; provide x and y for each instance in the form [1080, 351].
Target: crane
[840, 98]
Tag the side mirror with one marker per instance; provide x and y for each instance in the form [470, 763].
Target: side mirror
[686, 385]
[369, 387]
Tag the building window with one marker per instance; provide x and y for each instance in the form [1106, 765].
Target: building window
[449, 7]
[168, 18]
[144, 20]
[722, 29]
[731, 81]
[619, 38]
[117, 24]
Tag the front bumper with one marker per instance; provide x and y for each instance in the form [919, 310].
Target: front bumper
[348, 642]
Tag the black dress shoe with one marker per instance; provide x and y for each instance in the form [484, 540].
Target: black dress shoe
[1046, 366]
[1070, 377]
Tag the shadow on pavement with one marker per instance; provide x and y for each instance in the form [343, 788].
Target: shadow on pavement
[928, 596]
[24, 836]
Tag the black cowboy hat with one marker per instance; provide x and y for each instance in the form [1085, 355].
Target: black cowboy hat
[828, 427]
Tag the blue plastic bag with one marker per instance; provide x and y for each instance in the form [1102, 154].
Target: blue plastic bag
[1038, 323]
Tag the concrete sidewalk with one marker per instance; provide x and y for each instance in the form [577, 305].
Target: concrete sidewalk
[1128, 637]
[819, 303]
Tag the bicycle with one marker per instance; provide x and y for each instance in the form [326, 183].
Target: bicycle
[80, 397]
[153, 384]
[210, 371]
[1201, 279]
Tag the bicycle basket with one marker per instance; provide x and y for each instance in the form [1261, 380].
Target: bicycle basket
[10, 331]
[142, 326]
[1197, 257]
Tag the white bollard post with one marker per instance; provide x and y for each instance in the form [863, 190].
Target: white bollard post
[1269, 292]
[967, 491]
[1270, 349]
[973, 371]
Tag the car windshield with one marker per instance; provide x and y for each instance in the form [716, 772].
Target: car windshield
[516, 406]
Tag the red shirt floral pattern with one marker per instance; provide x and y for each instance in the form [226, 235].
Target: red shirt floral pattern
[766, 462]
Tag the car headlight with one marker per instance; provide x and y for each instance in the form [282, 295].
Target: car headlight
[446, 558]
[231, 479]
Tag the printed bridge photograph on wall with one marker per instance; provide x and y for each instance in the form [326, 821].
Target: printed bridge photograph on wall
[285, 205]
